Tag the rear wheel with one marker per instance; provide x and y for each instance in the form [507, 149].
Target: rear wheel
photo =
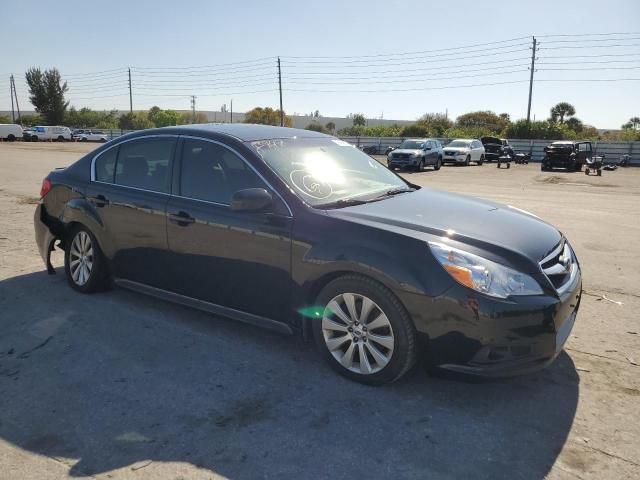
[34, 138]
[365, 333]
[60, 138]
[84, 263]
[11, 137]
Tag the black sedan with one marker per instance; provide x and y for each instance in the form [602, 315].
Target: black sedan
[300, 232]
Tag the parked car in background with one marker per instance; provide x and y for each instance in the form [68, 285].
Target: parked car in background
[495, 147]
[416, 153]
[55, 133]
[566, 154]
[300, 232]
[90, 136]
[10, 131]
[464, 151]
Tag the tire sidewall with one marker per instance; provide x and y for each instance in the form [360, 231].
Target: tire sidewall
[403, 330]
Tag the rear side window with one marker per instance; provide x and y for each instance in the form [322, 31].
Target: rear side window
[213, 173]
[105, 165]
[145, 164]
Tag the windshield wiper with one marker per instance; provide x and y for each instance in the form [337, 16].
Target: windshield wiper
[343, 202]
[396, 191]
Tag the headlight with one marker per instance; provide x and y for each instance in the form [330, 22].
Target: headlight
[483, 275]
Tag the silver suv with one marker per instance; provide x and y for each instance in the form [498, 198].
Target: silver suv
[416, 153]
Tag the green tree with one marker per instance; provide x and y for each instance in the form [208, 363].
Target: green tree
[482, 121]
[575, 124]
[5, 119]
[29, 120]
[436, 123]
[561, 111]
[358, 120]
[87, 118]
[316, 127]
[266, 116]
[187, 118]
[330, 126]
[633, 123]
[46, 94]
[135, 121]
[415, 130]
[164, 118]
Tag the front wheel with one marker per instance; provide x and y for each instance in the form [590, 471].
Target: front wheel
[467, 161]
[84, 263]
[365, 333]
[481, 161]
[421, 165]
[438, 164]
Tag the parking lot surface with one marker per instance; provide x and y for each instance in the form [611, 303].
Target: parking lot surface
[119, 385]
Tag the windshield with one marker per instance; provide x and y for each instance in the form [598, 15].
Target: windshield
[412, 145]
[458, 143]
[327, 170]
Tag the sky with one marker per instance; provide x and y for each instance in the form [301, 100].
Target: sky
[396, 60]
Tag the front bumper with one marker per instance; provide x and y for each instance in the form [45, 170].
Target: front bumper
[454, 158]
[470, 333]
[403, 162]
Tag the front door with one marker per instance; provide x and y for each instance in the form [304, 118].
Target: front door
[234, 259]
[130, 192]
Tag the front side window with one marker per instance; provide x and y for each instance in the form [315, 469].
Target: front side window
[105, 165]
[327, 170]
[145, 164]
[214, 173]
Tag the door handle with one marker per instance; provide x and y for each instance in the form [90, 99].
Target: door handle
[181, 218]
[99, 200]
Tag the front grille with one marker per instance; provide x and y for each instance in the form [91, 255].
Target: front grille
[560, 266]
[450, 153]
[401, 155]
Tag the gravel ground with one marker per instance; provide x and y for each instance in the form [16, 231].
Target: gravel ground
[119, 385]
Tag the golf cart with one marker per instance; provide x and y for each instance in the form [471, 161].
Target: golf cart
[594, 164]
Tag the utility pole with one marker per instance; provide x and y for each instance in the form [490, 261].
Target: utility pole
[193, 109]
[13, 114]
[15, 94]
[533, 65]
[231, 116]
[280, 86]
[130, 94]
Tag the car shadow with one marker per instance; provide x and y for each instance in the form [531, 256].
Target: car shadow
[107, 381]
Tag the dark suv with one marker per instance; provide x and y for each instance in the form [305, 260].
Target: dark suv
[494, 148]
[566, 154]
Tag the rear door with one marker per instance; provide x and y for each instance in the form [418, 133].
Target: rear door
[130, 190]
[235, 259]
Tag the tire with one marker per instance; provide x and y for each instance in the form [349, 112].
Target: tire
[481, 161]
[61, 138]
[384, 364]
[34, 138]
[438, 164]
[599, 173]
[94, 264]
[11, 137]
[586, 171]
[83, 139]
[421, 165]
[508, 165]
[578, 167]
[467, 162]
[543, 168]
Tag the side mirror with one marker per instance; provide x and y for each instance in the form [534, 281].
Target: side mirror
[251, 200]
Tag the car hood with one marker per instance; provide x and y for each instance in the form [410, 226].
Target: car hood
[456, 149]
[499, 232]
[408, 150]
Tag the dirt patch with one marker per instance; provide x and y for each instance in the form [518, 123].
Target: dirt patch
[566, 180]
[28, 200]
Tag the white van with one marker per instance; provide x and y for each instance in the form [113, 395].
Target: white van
[50, 133]
[10, 131]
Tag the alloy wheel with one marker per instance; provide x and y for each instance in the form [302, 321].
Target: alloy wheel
[81, 258]
[357, 333]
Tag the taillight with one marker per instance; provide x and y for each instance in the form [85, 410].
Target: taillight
[46, 186]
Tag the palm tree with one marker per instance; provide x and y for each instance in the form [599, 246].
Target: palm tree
[562, 110]
[635, 122]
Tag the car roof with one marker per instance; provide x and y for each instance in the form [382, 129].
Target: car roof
[248, 132]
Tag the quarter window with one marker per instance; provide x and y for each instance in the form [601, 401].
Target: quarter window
[105, 165]
[145, 164]
[213, 173]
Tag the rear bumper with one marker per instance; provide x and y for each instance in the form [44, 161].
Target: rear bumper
[469, 333]
[45, 239]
